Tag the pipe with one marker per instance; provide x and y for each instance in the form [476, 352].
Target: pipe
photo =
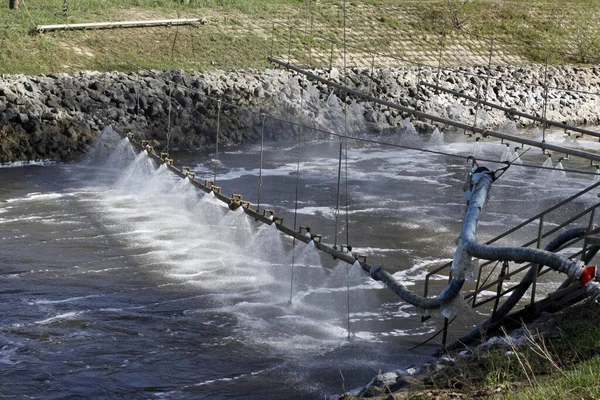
[435, 118]
[512, 111]
[120, 24]
[526, 282]
[482, 180]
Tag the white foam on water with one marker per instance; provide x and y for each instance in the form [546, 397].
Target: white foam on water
[20, 164]
[36, 196]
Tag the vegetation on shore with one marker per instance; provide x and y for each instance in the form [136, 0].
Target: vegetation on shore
[242, 33]
[562, 364]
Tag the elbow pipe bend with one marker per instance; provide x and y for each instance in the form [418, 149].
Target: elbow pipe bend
[425, 303]
[482, 180]
[526, 282]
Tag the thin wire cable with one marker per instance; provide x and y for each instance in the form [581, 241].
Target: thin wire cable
[346, 180]
[217, 141]
[337, 205]
[262, 147]
[169, 119]
[297, 196]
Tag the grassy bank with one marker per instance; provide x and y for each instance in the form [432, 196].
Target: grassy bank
[241, 33]
[565, 364]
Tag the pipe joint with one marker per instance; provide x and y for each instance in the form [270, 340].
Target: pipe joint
[374, 272]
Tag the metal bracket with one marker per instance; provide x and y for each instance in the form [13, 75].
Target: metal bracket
[304, 228]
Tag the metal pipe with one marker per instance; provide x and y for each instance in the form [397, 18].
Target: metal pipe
[435, 118]
[526, 282]
[512, 111]
[120, 24]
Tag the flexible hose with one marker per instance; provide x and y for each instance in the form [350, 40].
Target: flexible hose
[468, 247]
[526, 282]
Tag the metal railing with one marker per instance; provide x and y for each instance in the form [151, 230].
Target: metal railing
[476, 299]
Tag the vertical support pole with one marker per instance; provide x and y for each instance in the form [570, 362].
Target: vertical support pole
[590, 227]
[437, 79]
[372, 82]
[337, 205]
[217, 141]
[501, 277]
[137, 104]
[311, 33]
[539, 246]
[272, 39]
[290, 45]
[105, 85]
[545, 100]
[65, 8]
[446, 320]
[305, 30]
[13, 4]
[489, 71]
[331, 60]
[478, 104]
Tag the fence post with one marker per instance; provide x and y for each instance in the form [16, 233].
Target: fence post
[13, 4]
[539, 245]
[545, 100]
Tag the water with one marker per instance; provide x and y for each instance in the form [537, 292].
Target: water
[121, 280]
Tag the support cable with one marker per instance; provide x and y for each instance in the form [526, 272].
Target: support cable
[262, 147]
[169, 119]
[217, 141]
[337, 205]
[299, 145]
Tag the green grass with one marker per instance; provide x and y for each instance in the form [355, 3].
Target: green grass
[242, 33]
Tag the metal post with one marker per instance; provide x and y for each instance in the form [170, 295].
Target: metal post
[65, 8]
[539, 246]
[13, 4]
[437, 79]
[290, 46]
[489, 70]
[330, 60]
[545, 100]
[311, 33]
[590, 227]
[272, 39]
[501, 277]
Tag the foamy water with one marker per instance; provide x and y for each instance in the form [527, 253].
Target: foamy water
[124, 279]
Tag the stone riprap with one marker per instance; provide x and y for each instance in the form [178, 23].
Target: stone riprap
[57, 116]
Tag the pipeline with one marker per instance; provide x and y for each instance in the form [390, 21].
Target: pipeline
[481, 182]
[525, 283]
[468, 247]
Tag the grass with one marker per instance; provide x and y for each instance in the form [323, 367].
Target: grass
[242, 33]
[563, 365]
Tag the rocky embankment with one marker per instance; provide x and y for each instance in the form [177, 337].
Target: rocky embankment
[57, 116]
